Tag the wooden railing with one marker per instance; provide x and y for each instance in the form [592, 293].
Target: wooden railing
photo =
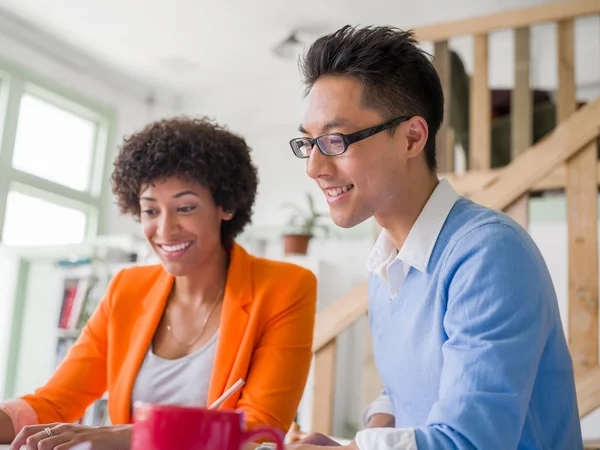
[566, 159]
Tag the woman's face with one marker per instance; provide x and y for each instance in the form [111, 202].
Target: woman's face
[182, 223]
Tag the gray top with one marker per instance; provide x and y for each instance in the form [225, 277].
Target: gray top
[183, 381]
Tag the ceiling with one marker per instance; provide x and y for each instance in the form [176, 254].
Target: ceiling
[198, 45]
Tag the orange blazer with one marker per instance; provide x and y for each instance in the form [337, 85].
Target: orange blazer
[265, 338]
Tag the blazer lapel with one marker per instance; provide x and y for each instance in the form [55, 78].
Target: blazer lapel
[234, 318]
[153, 306]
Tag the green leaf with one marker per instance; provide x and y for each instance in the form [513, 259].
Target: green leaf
[305, 221]
[311, 204]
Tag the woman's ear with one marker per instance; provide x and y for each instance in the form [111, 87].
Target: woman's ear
[227, 215]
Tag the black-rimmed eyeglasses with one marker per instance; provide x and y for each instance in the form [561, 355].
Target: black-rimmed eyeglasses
[337, 143]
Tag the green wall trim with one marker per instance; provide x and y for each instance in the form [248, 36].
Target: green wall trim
[550, 209]
[17, 328]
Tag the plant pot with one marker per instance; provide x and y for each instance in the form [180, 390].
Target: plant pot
[295, 244]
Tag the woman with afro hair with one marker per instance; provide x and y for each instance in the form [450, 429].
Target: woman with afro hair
[185, 330]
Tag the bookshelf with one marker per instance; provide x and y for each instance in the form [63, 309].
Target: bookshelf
[54, 292]
[83, 287]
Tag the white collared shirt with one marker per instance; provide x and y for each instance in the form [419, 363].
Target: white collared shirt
[392, 266]
[421, 239]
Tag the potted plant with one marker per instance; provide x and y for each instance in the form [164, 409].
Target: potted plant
[301, 227]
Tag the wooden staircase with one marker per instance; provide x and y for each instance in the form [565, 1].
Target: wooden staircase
[566, 159]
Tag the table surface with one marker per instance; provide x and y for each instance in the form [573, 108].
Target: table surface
[7, 447]
[591, 444]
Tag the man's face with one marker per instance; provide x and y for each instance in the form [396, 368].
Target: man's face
[365, 180]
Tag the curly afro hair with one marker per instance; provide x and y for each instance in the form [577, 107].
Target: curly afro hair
[197, 150]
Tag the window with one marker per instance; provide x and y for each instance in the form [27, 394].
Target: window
[31, 220]
[53, 145]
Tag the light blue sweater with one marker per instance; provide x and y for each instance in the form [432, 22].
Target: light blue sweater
[472, 352]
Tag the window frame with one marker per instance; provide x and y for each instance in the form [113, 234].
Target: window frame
[16, 81]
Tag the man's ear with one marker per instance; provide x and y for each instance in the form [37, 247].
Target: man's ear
[417, 133]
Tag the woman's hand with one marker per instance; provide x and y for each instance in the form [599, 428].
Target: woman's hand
[7, 433]
[64, 436]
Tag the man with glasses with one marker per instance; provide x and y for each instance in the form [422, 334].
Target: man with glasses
[467, 336]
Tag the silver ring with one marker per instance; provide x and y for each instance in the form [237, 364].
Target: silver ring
[48, 432]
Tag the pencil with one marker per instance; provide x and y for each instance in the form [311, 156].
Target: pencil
[228, 393]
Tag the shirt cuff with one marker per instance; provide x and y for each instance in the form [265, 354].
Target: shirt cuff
[381, 405]
[20, 413]
[386, 439]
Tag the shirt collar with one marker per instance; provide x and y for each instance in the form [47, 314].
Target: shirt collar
[422, 237]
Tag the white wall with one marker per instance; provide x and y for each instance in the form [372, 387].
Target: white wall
[342, 266]
[339, 266]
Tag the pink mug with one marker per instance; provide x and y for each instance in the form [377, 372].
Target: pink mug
[169, 427]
